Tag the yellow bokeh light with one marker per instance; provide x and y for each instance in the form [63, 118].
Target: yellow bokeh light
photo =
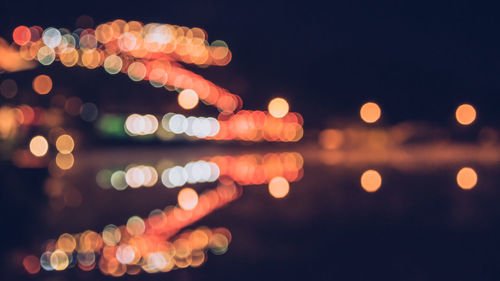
[65, 144]
[135, 226]
[465, 114]
[278, 107]
[371, 180]
[104, 33]
[39, 146]
[279, 187]
[113, 64]
[66, 242]
[188, 99]
[111, 235]
[467, 178]
[59, 260]
[187, 198]
[65, 161]
[69, 58]
[370, 112]
[136, 71]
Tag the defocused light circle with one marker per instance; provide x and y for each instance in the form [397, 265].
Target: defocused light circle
[65, 161]
[371, 180]
[51, 37]
[467, 178]
[39, 146]
[136, 71]
[118, 180]
[42, 84]
[188, 99]
[113, 64]
[65, 144]
[134, 177]
[111, 235]
[187, 198]
[177, 176]
[125, 254]
[465, 114]
[66, 242]
[21, 35]
[370, 112]
[178, 124]
[86, 259]
[278, 107]
[45, 261]
[59, 260]
[46, 55]
[279, 187]
[31, 264]
[135, 226]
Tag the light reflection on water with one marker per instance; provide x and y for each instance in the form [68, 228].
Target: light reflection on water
[358, 189]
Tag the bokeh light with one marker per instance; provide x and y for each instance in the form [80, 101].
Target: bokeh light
[135, 226]
[465, 114]
[371, 180]
[370, 112]
[188, 99]
[279, 187]
[51, 37]
[59, 260]
[31, 264]
[187, 198]
[141, 125]
[39, 146]
[278, 107]
[65, 144]
[46, 55]
[118, 180]
[467, 178]
[21, 35]
[65, 161]
[66, 242]
[42, 84]
[113, 64]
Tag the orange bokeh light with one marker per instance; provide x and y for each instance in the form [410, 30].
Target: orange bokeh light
[467, 178]
[42, 84]
[465, 114]
[371, 180]
[370, 112]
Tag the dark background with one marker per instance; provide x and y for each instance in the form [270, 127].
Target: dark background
[418, 59]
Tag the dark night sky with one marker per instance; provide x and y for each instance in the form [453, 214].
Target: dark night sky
[417, 60]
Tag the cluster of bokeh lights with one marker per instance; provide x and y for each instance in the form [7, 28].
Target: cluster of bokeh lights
[143, 52]
[150, 245]
[156, 53]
